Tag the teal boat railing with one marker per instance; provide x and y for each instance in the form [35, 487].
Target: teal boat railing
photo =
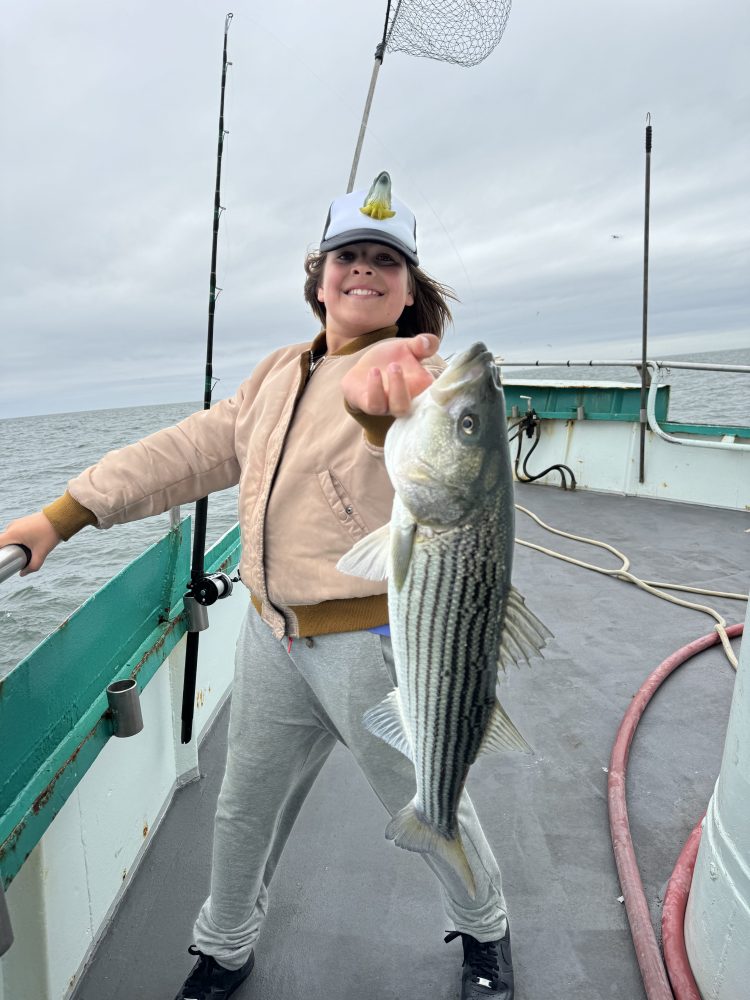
[555, 399]
[611, 402]
[54, 716]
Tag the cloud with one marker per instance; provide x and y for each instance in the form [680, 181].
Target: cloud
[520, 171]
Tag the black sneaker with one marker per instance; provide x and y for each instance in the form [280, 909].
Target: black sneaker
[488, 969]
[211, 981]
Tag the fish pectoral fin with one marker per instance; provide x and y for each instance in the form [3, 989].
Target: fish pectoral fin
[501, 734]
[369, 557]
[402, 545]
[387, 721]
[412, 832]
[523, 635]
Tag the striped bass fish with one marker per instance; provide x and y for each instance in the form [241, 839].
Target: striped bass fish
[455, 617]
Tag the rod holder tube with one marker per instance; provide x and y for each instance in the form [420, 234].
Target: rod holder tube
[6, 931]
[125, 706]
[197, 614]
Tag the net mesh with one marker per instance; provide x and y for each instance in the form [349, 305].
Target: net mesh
[447, 30]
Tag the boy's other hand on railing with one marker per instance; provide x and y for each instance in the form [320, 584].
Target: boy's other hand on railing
[36, 533]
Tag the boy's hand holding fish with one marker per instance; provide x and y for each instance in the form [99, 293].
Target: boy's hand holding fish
[389, 375]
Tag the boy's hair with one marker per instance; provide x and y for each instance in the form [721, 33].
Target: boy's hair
[429, 314]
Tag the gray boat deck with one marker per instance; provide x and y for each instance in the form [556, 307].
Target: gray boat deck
[352, 916]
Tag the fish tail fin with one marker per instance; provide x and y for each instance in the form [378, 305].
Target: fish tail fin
[410, 830]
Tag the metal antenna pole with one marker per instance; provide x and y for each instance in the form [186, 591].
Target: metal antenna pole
[201, 507]
[644, 340]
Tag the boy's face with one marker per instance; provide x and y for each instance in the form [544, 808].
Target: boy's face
[365, 286]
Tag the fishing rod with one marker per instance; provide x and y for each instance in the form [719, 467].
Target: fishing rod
[204, 590]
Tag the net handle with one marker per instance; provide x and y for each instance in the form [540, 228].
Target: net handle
[379, 53]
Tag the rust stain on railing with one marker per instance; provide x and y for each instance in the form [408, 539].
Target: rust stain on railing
[42, 800]
[169, 627]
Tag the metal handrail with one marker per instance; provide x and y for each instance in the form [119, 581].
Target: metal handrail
[654, 367]
[13, 558]
[743, 369]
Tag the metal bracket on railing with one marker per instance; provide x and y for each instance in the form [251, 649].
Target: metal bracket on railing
[201, 595]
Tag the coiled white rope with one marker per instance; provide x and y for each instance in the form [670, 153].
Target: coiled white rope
[623, 573]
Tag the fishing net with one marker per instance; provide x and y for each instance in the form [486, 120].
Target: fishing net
[463, 32]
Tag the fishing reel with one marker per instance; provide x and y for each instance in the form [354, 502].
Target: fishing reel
[210, 589]
[201, 594]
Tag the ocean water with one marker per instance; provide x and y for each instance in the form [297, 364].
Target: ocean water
[40, 454]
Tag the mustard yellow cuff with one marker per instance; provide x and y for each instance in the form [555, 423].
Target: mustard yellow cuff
[67, 516]
[375, 427]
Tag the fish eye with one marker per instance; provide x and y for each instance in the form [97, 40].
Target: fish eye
[469, 423]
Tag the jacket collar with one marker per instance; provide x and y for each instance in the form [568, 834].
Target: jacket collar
[319, 348]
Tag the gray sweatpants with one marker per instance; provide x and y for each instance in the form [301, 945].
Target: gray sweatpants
[288, 709]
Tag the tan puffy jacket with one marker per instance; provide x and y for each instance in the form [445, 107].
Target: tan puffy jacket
[311, 484]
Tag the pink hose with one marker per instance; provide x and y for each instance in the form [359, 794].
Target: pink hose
[652, 968]
[673, 920]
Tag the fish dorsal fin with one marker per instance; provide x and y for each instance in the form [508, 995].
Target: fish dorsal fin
[501, 734]
[523, 635]
[369, 557]
[387, 721]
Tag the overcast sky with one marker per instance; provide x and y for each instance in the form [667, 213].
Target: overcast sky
[520, 170]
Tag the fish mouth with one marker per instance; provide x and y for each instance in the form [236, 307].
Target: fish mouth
[473, 365]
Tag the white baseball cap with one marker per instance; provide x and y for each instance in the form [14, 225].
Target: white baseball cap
[373, 216]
